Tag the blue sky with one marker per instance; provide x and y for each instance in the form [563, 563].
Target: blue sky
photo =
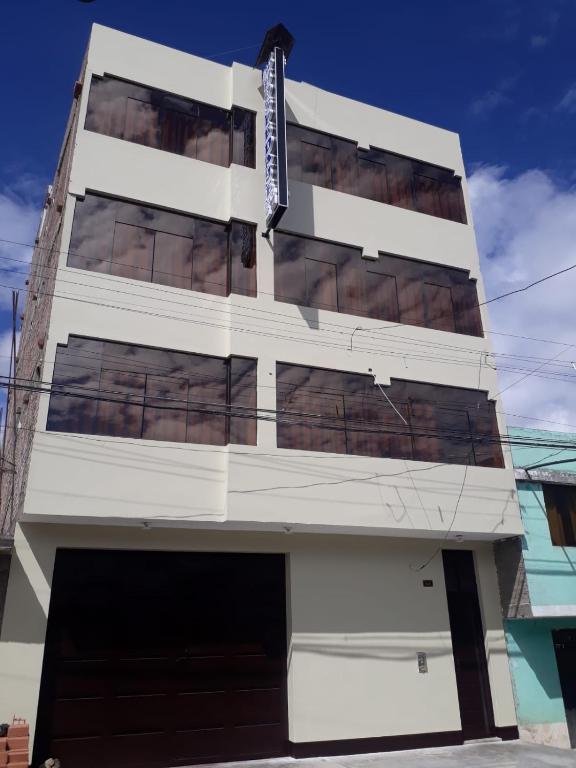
[502, 73]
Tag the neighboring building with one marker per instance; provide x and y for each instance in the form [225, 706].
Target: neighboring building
[257, 481]
[538, 586]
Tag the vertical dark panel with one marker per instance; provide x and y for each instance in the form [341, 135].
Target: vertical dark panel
[372, 180]
[344, 166]
[213, 135]
[173, 260]
[466, 309]
[132, 252]
[316, 164]
[560, 501]
[243, 401]
[165, 409]
[207, 402]
[106, 112]
[321, 285]
[92, 233]
[381, 297]
[142, 123]
[242, 249]
[423, 419]
[210, 259]
[487, 449]
[410, 300]
[438, 307]
[244, 137]
[121, 403]
[472, 679]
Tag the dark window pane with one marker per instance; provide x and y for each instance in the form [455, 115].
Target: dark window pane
[165, 409]
[173, 260]
[438, 307]
[466, 309]
[400, 182]
[243, 258]
[213, 136]
[344, 166]
[336, 163]
[146, 243]
[321, 410]
[106, 111]
[372, 180]
[381, 297]
[316, 273]
[210, 260]
[244, 137]
[92, 233]
[141, 124]
[487, 451]
[132, 252]
[316, 165]
[410, 299]
[289, 268]
[321, 285]
[109, 388]
[179, 133]
[121, 404]
[560, 503]
[207, 403]
[159, 119]
[243, 388]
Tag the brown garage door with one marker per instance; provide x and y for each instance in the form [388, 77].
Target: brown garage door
[163, 659]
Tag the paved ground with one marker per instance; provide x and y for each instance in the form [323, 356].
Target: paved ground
[507, 754]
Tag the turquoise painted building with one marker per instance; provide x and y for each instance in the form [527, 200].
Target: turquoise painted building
[538, 586]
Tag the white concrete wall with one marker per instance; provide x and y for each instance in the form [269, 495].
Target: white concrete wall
[358, 614]
[90, 479]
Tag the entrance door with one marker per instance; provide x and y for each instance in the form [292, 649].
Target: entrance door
[158, 659]
[565, 648]
[468, 645]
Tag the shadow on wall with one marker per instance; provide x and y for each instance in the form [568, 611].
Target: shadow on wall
[24, 616]
[4, 571]
[534, 644]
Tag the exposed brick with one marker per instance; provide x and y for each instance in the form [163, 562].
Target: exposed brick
[18, 730]
[17, 742]
[34, 332]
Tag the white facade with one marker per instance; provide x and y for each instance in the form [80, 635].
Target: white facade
[357, 612]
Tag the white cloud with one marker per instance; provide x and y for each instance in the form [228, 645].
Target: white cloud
[568, 102]
[526, 228]
[20, 205]
[539, 41]
[494, 98]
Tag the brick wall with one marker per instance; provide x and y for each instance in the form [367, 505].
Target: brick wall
[22, 407]
[514, 594]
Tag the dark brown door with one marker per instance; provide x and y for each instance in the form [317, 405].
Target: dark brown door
[468, 647]
[163, 659]
[565, 649]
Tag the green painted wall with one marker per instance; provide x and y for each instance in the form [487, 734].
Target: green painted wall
[534, 671]
[550, 570]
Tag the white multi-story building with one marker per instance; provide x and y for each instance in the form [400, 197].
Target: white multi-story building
[251, 484]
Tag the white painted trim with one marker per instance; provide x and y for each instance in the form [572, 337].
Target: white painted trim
[553, 610]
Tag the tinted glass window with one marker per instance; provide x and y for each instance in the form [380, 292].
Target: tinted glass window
[146, 243]
[335, 163]
[109, 388]
[338, 412]
[560, 503]
[314, 273]
[164, 121]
